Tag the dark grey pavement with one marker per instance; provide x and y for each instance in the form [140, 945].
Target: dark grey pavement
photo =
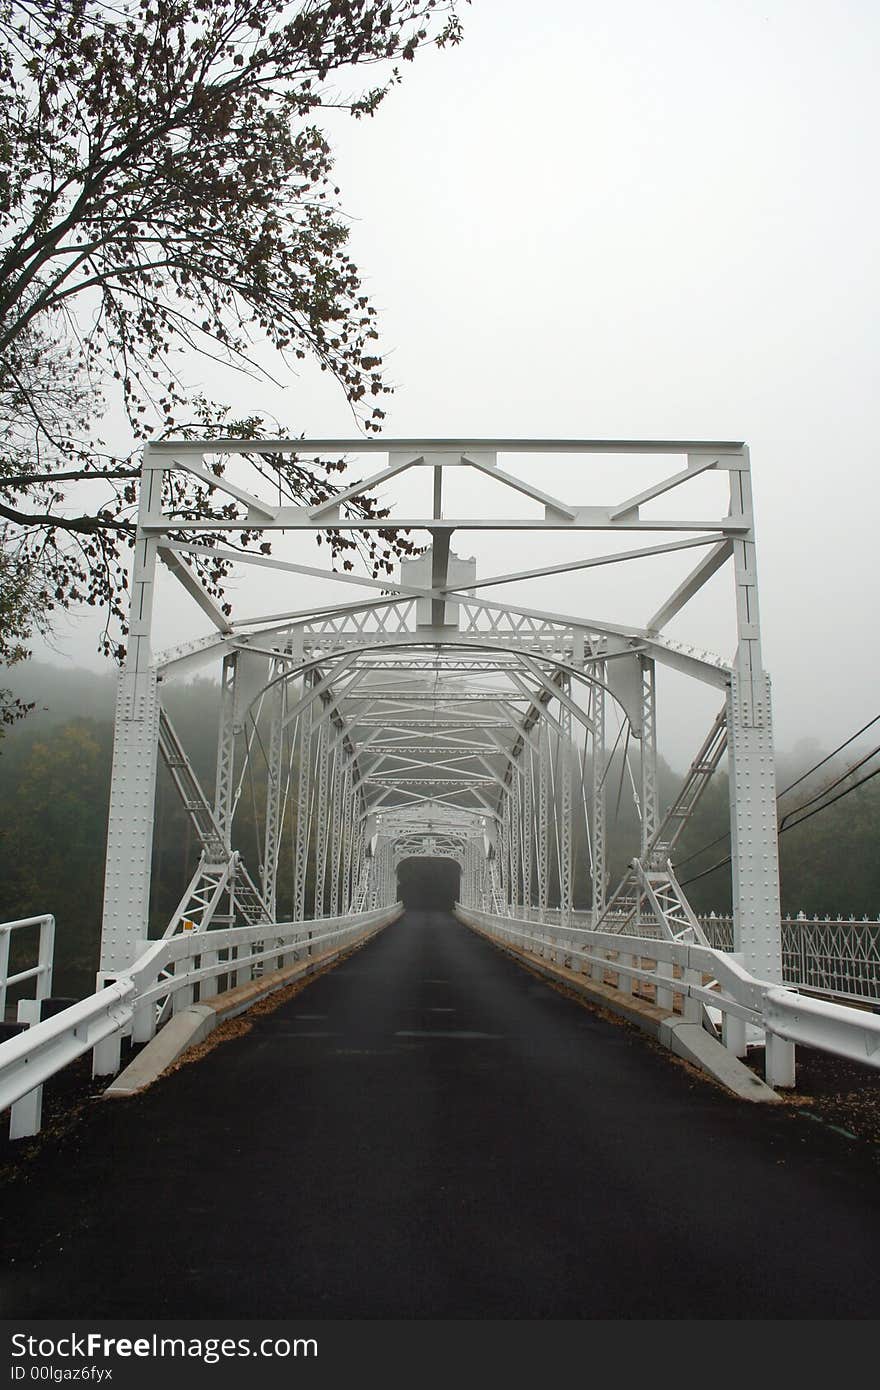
[430, 1131]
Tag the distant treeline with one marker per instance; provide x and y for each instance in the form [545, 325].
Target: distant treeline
[54, 791]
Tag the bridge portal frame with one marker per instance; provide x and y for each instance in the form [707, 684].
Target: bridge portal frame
[444, 614]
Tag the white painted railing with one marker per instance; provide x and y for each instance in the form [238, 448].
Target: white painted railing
[835, 956]
[29, 1059]
[191, 966]
[168, 976]
[702, 977]
[40, 971]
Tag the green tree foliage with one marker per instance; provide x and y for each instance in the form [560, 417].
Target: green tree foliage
[166, 188]
[54, 824]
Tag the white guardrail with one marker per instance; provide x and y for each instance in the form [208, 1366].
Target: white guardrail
[170, 975]
[41, 971]
[703, 978]
[839, 956]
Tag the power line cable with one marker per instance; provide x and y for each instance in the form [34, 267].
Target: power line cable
[846, 791]
[804, 775]
[830, 788]
[815, 768]
[783, 828]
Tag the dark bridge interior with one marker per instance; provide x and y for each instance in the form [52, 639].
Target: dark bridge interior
[431, 884]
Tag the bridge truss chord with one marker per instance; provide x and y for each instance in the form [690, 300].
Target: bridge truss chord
[421, 716]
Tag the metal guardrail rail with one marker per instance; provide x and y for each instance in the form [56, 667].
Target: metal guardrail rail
[174, 972]
[707, 978]
[835, 956]
[168, 976]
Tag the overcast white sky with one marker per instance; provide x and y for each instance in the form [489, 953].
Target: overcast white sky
[641, 220]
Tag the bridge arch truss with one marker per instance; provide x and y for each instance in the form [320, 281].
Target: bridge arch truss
[421, 716]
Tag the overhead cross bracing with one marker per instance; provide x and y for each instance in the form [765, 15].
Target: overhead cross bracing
[447, 705]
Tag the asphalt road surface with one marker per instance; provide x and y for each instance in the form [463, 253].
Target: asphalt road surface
[429, 1131]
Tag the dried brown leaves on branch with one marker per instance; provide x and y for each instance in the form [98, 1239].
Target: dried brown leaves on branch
[165, 187]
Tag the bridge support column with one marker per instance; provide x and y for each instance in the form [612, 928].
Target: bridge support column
[598, 797]
[757, 927]
[126, 914]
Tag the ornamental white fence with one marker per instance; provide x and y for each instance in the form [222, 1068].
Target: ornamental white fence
[835, 956]
[840, 958]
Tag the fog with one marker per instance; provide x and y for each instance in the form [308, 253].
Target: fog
[637, 221]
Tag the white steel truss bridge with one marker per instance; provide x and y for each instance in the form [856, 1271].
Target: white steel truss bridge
[446, 713]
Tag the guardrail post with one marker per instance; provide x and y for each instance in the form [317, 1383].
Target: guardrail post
[663, 994]
[624, 981]
[143, 1025]
[691, 1009]
[779, 1068]
[25, 1116]
[208, 988]
[244, 972]
[733, 1034]
[107, 1056]
[182, 997]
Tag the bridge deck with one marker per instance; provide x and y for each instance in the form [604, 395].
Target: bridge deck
[429, 1131]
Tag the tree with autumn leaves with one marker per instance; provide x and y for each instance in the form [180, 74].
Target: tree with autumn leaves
[165, 185]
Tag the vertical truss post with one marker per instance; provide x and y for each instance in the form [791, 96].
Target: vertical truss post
[543, 819]
[648, 759]
[272, 839]
[564, 810]
[504, 858]
[527, 825]
[757, 927]
[373, 888]
[598, 796]
[516, 837]
[358, 861]
[223, 787]
[336, 822]
[303, 783]
[125, 923]
[348, 801]
[322, 829]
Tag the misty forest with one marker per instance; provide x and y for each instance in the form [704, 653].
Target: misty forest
[55, 782]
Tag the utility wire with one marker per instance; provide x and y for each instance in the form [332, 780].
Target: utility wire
[830, 788]
[804, 775]
[846, 791]
[815, 768]
[783, 828]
